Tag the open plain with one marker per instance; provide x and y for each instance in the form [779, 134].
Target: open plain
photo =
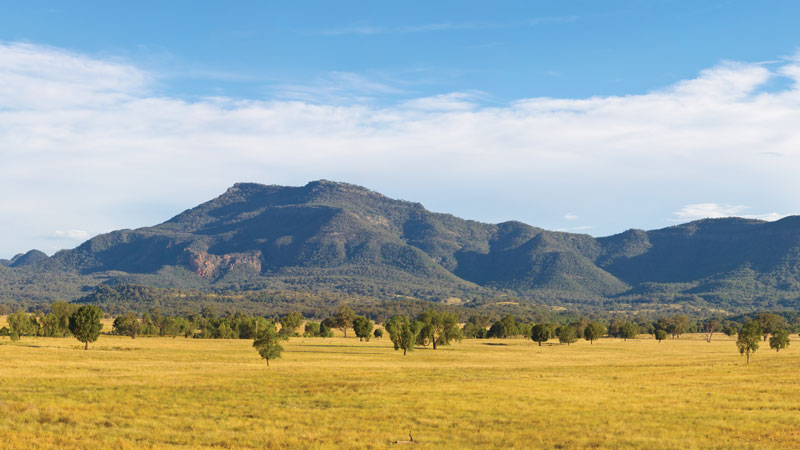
[342, 393]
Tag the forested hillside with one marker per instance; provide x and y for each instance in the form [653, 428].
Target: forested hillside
[345, 239]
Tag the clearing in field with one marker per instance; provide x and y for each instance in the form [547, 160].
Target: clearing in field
[341, 393]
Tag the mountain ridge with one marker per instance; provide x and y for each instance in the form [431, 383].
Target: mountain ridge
[348, 238]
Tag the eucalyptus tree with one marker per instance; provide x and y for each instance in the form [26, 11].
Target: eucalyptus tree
[267, 342]
[362, 327]
[85, 324]
[127, 325]
[748, 338]
[567, 334]
[438, 328]
[403, 332]
[779, 340]
[594, 331]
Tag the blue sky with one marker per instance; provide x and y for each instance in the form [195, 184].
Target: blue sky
[577, 115]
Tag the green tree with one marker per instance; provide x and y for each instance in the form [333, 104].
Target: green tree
[473, 331]
[267, 342]
[541, 332]
[770, 323]
[481, 319]
[403, 333]
[711, 326]
[594, 331]
[311, 329]
[85, 324]
[779, 340]
[660, 335]
[438, 328]
[567, 334]
[675, 325]
[290, 322]
[503, 328]
[378, 333]
[325, 330]
[127, 325]
[22, 324]
[343, 319]
[730, 328]
[580, 326]
[629, 330]
[61, 312]
[362, 327]
[749, 335]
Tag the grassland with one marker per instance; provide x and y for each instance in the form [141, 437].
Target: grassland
[341, 393]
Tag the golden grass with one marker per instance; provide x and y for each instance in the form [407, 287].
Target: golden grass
[341, 393]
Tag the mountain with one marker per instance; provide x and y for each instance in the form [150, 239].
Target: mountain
[30, 258]
[337, 237]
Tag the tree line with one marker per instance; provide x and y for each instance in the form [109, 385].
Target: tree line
[431, 327]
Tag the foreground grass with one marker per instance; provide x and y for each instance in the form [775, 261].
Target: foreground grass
[341, 393]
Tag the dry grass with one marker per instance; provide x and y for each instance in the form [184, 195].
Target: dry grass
[341, 393]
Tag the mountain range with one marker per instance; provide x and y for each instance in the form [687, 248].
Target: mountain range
[340, 237]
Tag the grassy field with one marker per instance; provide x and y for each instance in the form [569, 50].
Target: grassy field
[341, 393]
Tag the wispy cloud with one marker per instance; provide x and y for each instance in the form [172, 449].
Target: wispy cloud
[570, 216]
[445, 26]
[577, 229]
[75, 235]
[337, 87]
[716, 210]
[454, 101]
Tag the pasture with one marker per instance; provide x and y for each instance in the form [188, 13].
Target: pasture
[342, 393]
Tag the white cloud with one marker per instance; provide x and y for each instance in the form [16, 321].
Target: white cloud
[577, 229]
[75, 235]
[85, 143]
[570, 216]
[708, 210]
[455, 101]
[715, 210]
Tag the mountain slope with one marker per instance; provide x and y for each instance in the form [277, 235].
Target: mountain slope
[342, 237]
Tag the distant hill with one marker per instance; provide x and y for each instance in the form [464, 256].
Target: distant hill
[337, 237]
[31, 258]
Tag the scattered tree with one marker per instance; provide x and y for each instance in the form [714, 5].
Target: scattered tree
[730, 328]
[749, 335]
[770, 323]
[403, 333]
[710, 326]
[629, 330]
[567, 334]
[779, 340]
[378, 333]
[127, 325]
[503, 328]
[267, 342]
[85, 324]
[343, 319]
[473, 331]
[290, 322]
[22, 324]
[362, 327]
[675, 325]
[541, 332]
[660, 335]
[438, 328]
[311, 329]
[594, 331]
